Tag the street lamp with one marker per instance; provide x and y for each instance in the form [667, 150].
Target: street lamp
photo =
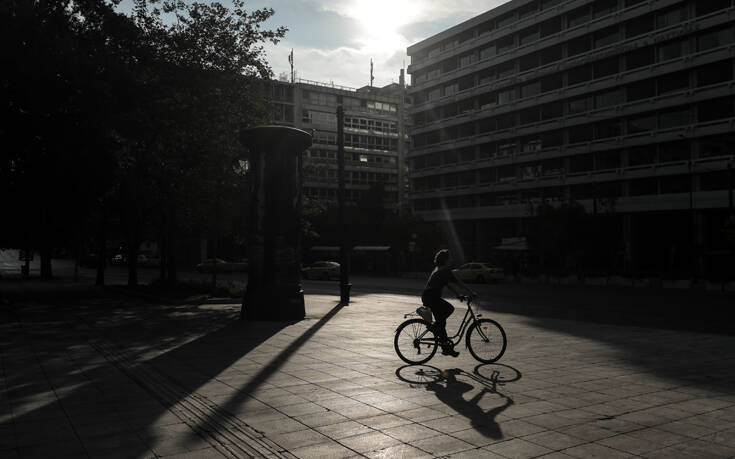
[344, 250]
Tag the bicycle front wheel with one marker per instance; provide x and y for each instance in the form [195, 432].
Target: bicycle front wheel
[414, 342]
[486, 340]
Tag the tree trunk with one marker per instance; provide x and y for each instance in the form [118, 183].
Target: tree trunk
[45, 254]
[101, 250]
[132, 251]
[171, 246]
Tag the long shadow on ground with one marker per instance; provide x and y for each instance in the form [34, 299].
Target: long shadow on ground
[58, 387]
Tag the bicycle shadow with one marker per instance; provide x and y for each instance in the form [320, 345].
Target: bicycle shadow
[481, 411]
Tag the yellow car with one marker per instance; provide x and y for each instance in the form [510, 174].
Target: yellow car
[479, 272]
[321, 270]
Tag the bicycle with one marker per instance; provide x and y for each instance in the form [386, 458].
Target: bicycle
[416, 343]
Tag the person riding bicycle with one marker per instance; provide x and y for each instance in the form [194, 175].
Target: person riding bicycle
[432, 298]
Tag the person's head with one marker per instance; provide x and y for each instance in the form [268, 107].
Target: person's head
[441, 258]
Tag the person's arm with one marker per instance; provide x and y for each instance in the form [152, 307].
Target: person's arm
[454, 278]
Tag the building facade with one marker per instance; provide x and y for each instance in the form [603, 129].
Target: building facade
[376, 140]
[623, 106]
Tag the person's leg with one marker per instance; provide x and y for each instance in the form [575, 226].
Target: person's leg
[442, 310]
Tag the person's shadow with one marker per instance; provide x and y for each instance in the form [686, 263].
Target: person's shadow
[450, 390]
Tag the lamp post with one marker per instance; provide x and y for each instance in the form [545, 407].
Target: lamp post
[344, 250]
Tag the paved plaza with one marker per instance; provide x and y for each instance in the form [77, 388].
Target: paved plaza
[108, 376]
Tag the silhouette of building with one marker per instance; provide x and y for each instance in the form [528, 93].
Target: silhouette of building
[376, 140]
[624, 106]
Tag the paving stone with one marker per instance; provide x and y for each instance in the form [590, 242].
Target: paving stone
[343, 429]
[589, 450]
[410, 432]
[440, 445]
[370, 441]
[328, 450]
[398, 451]
[518, 448]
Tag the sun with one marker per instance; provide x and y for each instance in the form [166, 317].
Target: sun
[381, 21]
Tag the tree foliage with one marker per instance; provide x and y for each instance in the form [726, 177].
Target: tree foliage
[135, 116]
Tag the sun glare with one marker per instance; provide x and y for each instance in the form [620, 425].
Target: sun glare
[381, 21]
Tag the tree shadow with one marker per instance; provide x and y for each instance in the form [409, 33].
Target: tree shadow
[127, 396]
[453, 385]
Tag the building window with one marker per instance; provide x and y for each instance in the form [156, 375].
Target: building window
[488, 52]
[605, 67]
[467, 59]
[608, 98]
[640, 90]
[641, 124]
[506, 96]
[671, 50]
[639, 26]
[528, 62]
[714, 73]
[550, 27]
[710, 6]
[675, 184]
[604, 7]
[530, 115]
[674, 151]
[506, 121]
[552, 82]
[639, 58]
[671, 17]
[505, 43]
[607, 129]
[552, 139]
[714, 39]
[673, 118]
[583, 133]
[503, 21]
[579, 105]
[579, 74]
[550, 55]
[506, 69]
[639, 156]
[580, 163]
[578, 46]
[578, 17]
[528, 36]
[715, 109]
[530, 89]
[552, 110]
[606, 37]
[673, 82]
[643, 187]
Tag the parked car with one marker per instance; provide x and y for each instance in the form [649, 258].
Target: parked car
[321, 270]
[118, 259]
[223, 266]
[146, 261]
[479, 272]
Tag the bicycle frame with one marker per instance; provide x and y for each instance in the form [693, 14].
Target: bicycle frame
[462, 327]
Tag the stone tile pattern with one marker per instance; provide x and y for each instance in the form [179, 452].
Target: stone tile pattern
[107, 378]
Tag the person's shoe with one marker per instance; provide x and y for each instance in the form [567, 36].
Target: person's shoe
[448, 349]
[425, 313]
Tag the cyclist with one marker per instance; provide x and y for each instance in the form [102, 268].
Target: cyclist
[432, 298]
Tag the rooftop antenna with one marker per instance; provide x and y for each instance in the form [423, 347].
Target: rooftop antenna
[371, 73]
[290, 61]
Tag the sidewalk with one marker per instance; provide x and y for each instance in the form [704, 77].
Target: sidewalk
[111, 377]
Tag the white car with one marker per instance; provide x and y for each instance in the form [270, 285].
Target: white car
[479, 272]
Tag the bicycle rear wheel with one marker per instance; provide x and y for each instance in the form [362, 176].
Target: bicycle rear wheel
[486, 340]
[414, 342]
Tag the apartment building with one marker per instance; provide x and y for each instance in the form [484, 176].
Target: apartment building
[375, 135]
[624, 106]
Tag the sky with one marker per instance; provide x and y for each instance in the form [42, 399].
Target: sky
[333, 41]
